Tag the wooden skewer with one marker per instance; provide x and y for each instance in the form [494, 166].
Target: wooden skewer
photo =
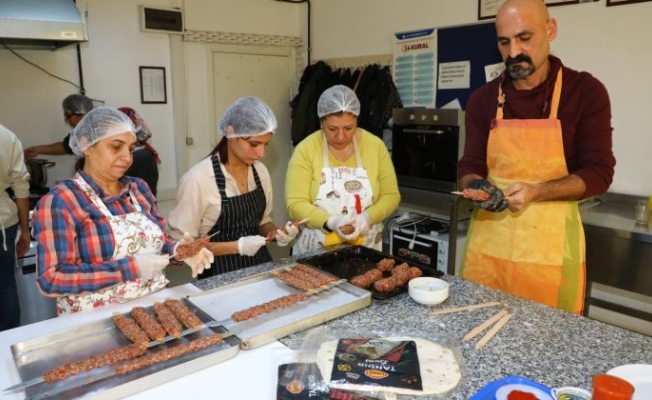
[465, 308]
[458, 193]
[476, 331]
[492, 332]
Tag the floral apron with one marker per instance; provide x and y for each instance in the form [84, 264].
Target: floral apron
[340, 189]
[539, 252]
[133, 233]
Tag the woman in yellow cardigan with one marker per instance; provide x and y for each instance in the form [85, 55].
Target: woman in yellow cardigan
[341, 178]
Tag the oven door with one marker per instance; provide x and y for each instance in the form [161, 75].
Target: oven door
[425, 157]
[420, 250]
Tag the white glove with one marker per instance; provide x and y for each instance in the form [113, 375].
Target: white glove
[249, 245]
[150, 264]
[285, 235]
[200, 261]
[336, 224]
[362, 223]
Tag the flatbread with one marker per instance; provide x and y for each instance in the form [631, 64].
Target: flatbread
[438, 365]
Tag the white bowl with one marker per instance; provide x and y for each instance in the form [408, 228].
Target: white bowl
[427, 290]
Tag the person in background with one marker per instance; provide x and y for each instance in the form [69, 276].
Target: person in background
[341, 178]
[146, 159]
[229, 193]
[14, 215]
[100, 237]
[545, 144]
[75, 107]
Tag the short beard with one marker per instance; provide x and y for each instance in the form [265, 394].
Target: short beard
[514, 68]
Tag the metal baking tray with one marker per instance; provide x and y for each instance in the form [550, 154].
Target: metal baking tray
[36, 356]
[223, 301]
[356, 260]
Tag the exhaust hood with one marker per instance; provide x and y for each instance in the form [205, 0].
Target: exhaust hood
[41, 24]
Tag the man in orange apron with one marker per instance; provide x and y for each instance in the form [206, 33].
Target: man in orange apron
[548, 145]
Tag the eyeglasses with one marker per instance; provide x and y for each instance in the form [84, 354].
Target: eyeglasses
[68, 116]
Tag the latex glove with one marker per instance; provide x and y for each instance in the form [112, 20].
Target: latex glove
[362, 223]
[336, 223]
[286, 234]
[249, 245]
[496, 202]
[200, 261]
[150, 264]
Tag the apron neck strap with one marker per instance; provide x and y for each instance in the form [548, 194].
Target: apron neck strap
[556, 95]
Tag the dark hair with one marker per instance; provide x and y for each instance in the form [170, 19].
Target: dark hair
[79, 164]
[221, 150]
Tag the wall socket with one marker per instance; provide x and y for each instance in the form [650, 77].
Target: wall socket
[190, 141]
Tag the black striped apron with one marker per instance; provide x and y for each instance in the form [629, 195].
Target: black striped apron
[240, 216]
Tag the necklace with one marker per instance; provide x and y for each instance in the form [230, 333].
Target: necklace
[238, 181]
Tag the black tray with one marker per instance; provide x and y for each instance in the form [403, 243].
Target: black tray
[356, 260]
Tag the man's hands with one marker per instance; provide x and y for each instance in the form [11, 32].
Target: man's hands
[496, 201]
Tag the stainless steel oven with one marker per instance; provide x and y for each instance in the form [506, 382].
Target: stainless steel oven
[426, 145]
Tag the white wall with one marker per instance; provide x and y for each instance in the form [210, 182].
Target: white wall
[612, 43]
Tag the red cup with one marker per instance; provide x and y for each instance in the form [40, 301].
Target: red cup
[609, 387]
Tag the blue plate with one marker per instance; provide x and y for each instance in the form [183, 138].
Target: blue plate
[498, 390]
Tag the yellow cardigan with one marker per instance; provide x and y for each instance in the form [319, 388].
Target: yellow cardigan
[304, 175]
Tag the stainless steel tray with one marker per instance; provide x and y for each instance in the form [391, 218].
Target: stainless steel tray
[34, 357]
[221, 302]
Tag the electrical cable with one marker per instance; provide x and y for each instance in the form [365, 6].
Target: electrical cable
[308, 49]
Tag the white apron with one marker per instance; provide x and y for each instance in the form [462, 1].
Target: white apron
[133, 233]
[337, 196]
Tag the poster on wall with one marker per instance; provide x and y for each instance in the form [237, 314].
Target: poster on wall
[415, 67]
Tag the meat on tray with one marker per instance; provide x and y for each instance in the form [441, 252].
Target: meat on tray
[153, 329]
[367, 279]
[325, 277]
[386, 264]
[187, 250]
[268, 307]
[130, 329]
[100, 360]
[295, 281]
[400, 269]
[170, 323]
[183, 314]
[169, 353]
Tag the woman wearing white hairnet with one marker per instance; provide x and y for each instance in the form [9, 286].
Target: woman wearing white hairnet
[229, 193]
[341, 178]
[100, 238]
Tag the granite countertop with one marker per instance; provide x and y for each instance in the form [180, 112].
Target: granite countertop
[543, 344]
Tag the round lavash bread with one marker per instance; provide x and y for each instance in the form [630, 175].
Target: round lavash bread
[440, 371]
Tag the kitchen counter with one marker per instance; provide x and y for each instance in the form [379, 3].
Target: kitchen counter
[544, 344]
[614, 213]
[550, 346]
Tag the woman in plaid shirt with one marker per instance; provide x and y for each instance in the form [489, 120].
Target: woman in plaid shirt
[101, 238]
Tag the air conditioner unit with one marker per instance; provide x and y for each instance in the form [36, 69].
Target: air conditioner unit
[161, 20]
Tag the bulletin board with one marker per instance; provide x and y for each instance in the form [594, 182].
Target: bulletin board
[475, 43]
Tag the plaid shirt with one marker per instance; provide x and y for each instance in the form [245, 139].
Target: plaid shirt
[75, 244]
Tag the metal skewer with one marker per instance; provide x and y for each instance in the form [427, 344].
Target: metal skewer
[174, 255]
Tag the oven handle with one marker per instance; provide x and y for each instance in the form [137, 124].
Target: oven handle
[415, 242]
[427, 131]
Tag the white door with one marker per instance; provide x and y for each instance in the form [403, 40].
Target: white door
[266, 72]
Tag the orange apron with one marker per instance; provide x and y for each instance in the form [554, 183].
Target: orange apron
[539, 252]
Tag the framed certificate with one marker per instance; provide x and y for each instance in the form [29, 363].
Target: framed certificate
[620, 2]
[152, 85]
[488, 9]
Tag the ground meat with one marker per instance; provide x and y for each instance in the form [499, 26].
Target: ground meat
[317, 281]
[367, 279]
[183, 314]
[400, 269]
[153, 329]
[314, 272]
[386, 264]
[169, 353]
[414, 272]
[295, 282]
[268, 307]
[188, 250]
[100, 360]
[347, 229]
[476, 194]
[170, 323]
[130, 329]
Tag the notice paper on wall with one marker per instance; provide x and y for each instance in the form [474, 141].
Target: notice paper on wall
[455, 75]
[415, 67]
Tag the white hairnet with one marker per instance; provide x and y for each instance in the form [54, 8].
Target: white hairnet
[99, 123]
[336, 99]
[247, 116]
